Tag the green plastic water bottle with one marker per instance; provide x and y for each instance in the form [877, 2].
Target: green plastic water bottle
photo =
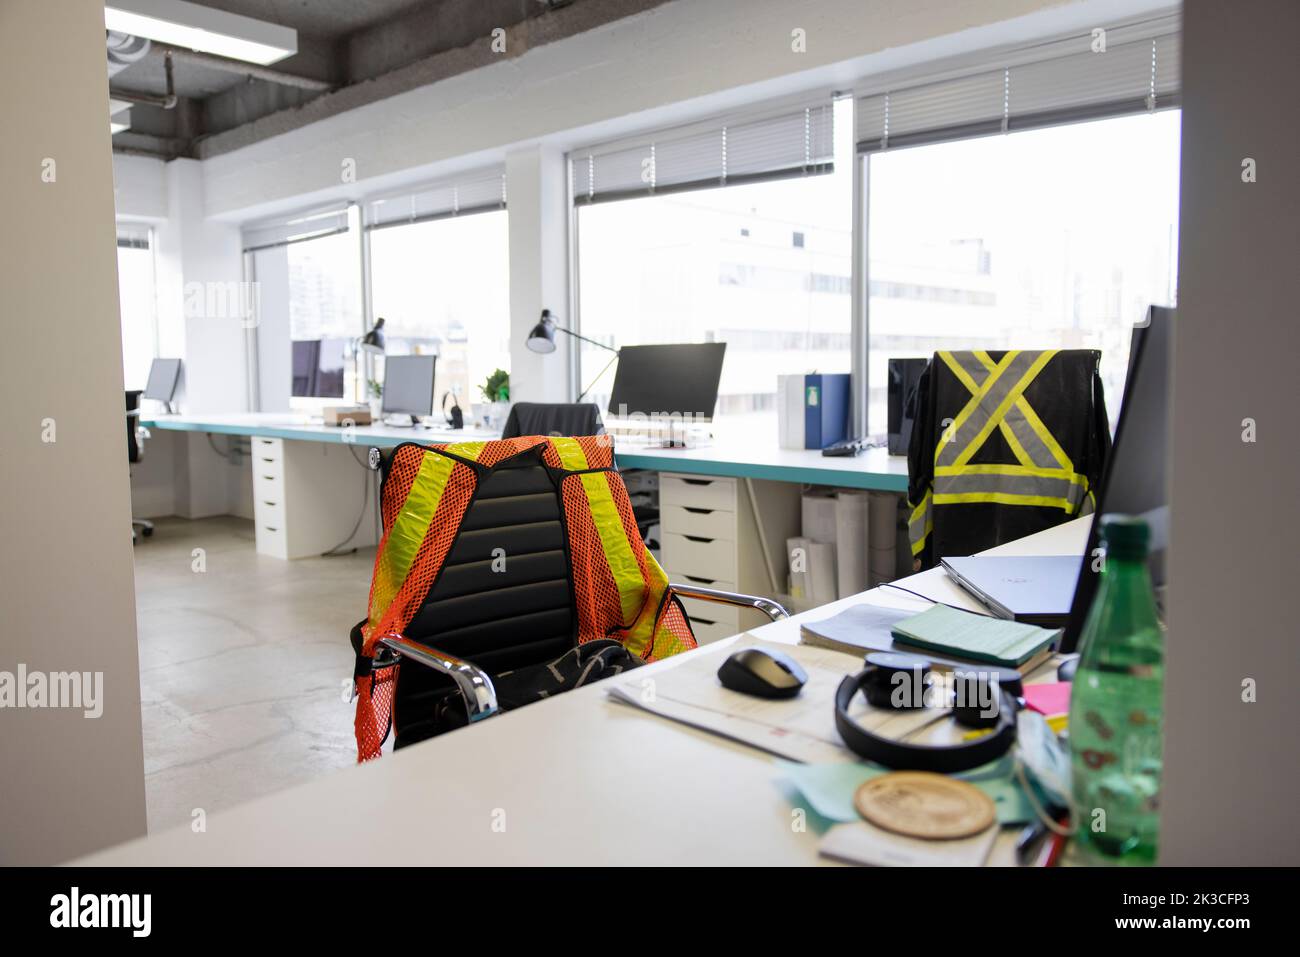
[1115, 706]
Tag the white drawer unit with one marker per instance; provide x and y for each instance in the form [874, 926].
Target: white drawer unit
[710, 537]
[307, 495]
[694, 491]
[702, 557]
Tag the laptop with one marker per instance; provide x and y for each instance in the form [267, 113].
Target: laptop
[1036, 589]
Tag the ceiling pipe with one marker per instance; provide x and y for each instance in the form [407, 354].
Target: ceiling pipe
[166, 102]
[253, 70]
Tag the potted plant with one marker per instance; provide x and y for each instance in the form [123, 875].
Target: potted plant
[496, 396]
[375, 398]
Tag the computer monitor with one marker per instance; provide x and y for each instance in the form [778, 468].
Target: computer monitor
[1134, 482]
[318, 366]
[408, 386]
[677, 381]
[163, 376]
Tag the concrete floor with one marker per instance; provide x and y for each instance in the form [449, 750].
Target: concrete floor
[242, 666]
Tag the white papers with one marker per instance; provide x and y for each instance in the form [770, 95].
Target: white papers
[851, 521]
[800, 728]
[864, 843]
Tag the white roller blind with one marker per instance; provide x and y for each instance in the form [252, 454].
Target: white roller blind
[796, 140]
[476, 192]
[1061, 81]
[295, 228]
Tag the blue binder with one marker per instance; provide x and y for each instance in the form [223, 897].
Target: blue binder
[826, 409]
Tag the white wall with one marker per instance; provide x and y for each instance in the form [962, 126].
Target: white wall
[539, 263]
[1232, 766]
[69, 784]
[139, 187]
[665, 65]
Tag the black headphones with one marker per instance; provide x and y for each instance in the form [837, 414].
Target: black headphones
[902, 682]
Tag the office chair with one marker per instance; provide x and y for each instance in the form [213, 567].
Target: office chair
[508, 571]
[1004, 444]
[553, 418]
[135, 437]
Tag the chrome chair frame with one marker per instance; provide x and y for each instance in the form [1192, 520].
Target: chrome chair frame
[475, 685]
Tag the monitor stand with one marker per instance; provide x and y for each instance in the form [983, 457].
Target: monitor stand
[399, 421]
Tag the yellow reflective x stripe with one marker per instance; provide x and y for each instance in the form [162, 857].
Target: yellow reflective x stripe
[609, 526]
[1034, 422]
[966, 379]
[1007, 400]
[977, 396]
[412, 525]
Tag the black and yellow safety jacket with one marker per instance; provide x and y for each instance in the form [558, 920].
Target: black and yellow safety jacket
[1005, 444]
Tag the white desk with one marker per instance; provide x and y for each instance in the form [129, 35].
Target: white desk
[576, 780]
[743, 456]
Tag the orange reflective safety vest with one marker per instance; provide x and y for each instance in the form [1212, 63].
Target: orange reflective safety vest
[619, 590]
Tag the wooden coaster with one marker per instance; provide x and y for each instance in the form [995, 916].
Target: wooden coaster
[924, 804]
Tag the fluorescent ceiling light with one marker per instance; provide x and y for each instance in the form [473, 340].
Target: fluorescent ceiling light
[194, 27]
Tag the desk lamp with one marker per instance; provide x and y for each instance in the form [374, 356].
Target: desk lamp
[542, 341]
[372, 343]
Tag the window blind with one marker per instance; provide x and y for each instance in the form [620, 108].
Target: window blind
[477, 192]
[1062, 81]
[131, 236]
[793, 141]
[295, 229]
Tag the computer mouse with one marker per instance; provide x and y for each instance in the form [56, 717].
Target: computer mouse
[1067, 668]
[762, 673]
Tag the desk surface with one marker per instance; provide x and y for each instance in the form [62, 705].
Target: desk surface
[756, 457]
[575, 780]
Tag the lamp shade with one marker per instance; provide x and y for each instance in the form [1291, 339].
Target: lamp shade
[373, 341]
[542, 337]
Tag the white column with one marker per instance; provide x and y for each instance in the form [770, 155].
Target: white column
[74, 776]
[537, 196]
[202, 302]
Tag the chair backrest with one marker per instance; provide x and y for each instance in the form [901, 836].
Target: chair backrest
[507, 554]
[132, 445]
[553, 418]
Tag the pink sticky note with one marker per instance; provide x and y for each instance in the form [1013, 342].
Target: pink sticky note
[1051, 698]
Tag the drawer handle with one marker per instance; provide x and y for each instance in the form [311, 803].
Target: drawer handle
[697, 538]
[699, 511]
[265, 459]
[269, 478]
[701, 581]
[265, 502]
[703, 621]
[270, 529]
[696, 481]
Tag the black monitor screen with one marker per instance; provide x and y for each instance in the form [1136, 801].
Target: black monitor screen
[408, 384]
[162, 379]
[679, 380]
[1134, 483]
[318, 368]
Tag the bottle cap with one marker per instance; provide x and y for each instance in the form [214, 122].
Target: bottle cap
[1125, 536]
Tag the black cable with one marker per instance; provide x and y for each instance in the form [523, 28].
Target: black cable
[932, 600]
[365, 495]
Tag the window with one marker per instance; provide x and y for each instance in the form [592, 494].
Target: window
[138, 300]
[1030, 204]
[307, 272]
[443, 287]
[763, 266]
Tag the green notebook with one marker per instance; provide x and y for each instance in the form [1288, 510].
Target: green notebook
[963, 634]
